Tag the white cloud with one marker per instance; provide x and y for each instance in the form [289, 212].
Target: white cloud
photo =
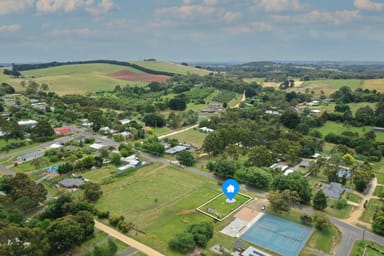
[197, 13]
[84, 32]
[278, 5]
[250, 28]
[316, 16]
[93, 7]
[10, 28]
[101, 8]
[12, 6]
[368, 5]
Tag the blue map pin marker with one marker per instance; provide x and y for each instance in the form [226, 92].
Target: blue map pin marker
[230, 188]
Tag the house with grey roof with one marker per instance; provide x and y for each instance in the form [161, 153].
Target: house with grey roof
[305, 163]
[176, 149]
[71, 183]
[344, 173]
[333, 190]
[30, 156]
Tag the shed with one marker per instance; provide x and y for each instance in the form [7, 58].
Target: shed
[305, 163]
[238, 245]
[344, 172]
[176, 149]
[71, 183]
[62, 130]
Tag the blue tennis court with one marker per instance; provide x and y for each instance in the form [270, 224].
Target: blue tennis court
[278, 235]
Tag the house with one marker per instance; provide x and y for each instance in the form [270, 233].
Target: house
[313, 103]
[55, 146]
[40, 106]
[252, 251]
[86, 124]
[279, 166]
[126, 135]
[208, 110]
[176, 149]
[124, 121]
[132, 162]
[316, 155]
[71, 183]
[272, 112]
[206, 129]
[97, 146]
[305, 163]
[344, 173]
[3, 134]
[238, 245]
[216, 105]
[61, 131]
[333, 190]
[288, 171]
[316, 111]
[31, 123]
[105, 130]
[378, 129]
[30, 156]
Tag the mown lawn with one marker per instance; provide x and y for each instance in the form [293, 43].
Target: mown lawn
[338, 213]
[380, 178]
[368, 213]
[222, 207]
[159, 200]
[192, 136]
[323, 240]
[370, 248]
[353, 197]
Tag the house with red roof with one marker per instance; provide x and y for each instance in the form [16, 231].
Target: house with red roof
[62, 130]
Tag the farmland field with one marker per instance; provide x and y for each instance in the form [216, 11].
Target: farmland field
[373, 204]
[335, 127]
[330, 86]
[79, 78]
[160, 200]
[171, 67]
[370, 248]
[371, 84]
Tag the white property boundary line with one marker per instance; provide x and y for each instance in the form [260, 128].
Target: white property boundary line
[226, 216]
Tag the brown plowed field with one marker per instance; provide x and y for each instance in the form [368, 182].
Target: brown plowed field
[138, 77]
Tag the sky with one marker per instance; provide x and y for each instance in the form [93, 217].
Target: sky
[191, 30]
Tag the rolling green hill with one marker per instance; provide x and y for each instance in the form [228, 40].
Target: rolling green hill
[78, 78]
[171, 67]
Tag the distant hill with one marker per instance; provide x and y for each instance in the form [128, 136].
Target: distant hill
[171, 67]
[82, 78]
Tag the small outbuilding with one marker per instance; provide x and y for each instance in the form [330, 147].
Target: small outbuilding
[71, 183]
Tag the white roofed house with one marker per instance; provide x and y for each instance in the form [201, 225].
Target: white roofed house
[124, 121]
[206, 129]
[31, 123]
[97, 146]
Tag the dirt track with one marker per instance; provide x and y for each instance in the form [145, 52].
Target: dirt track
[127, 240]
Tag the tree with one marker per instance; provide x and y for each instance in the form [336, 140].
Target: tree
[320, 201]
[186, 158]
[361, 179]
[13, 240]
[283, 201]
[214, 143]
[42, 132]
[321, 221]
[116, 159]
[92, 192]
[154, 120]
[378, 224]
[174, 120]
[183, 243]
[177, 104]
[260, 156]
[153, 146]
[65, 233]
[294, 182]
[256, 177]
[97, 118]
[365, 115]
[201, 232]
[85, 219]
[223, 168]
[290, 119]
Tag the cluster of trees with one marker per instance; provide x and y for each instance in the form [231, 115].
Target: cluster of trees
[24, 193]
[239, 132]
[345, 95]
[195, 235]
[64, 224]
[42, 132]
[6, 89]
[153, 146]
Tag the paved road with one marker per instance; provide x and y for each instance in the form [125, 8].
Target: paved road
[127, 240]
